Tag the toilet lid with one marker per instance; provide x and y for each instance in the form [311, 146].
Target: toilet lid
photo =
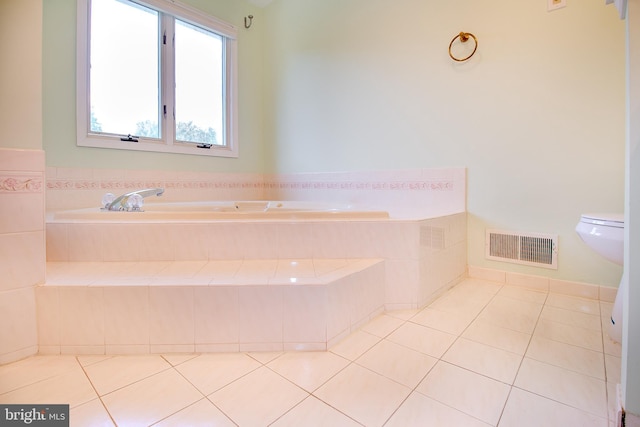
[607, 220]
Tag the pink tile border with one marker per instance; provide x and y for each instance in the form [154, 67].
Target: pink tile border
[21, 183]
[445, 185]
[69, 184]
[419, 193]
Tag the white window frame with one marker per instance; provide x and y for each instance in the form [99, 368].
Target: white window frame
[85, 138]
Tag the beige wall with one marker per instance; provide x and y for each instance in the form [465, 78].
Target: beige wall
[537, 115]
[21, 74]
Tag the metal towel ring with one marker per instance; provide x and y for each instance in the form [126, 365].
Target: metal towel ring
[464, 37]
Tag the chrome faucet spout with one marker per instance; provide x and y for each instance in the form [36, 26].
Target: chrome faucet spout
[120, 203]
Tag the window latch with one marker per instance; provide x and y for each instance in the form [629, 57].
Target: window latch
[207, 146]
[130, 138]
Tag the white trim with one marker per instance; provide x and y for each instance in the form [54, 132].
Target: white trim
[96, 141]
[167, 79]
[167, 144]
[82, 71]
[193, 15]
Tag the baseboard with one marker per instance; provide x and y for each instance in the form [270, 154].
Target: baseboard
[546, 284]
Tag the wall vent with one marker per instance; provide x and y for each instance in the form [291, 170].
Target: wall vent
[432, 237]
[536, 249]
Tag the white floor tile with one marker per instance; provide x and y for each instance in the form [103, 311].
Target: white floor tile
[523, 294]
[91, 359]
[308, 370]
[574, 335]
[203, 413]
[151, 400]
[613, 368]
[351, 388]
[567, 356]
[29, 371]
[92, 413]
[264, 357]
[512, 314]
[420, 338]
[450, 323]
[267, 394]
[398, 363]
[120, 371]
[571, 317]
[402, 314]
[420, 410]
[355, 345]
[457, 303]
[474, 394]
[583, 305]
[69, 387]
[496, 336]
[571, 388]
[312, 412]
[472, 287]
[175, 358]
[382, 325]
[210, 372]
[483, 359]
[526, 409]
[610, 346]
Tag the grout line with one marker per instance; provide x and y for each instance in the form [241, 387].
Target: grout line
[96, 392]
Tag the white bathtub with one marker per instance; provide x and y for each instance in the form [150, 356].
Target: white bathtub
[204, 211]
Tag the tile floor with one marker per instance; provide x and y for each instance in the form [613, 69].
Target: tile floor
[483, 354]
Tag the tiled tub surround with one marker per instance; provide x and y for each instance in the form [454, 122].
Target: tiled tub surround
[421, 256]
[416, 261]
[22, 256]
[412, 193]
[74, 188]
[418, 258]
[205, 306]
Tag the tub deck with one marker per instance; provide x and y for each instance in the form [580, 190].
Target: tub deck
[206, 306]
[221, 211]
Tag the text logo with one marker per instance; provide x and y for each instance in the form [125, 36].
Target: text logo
[34, 415]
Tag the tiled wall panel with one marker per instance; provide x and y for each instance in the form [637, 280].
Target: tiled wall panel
[22, 249]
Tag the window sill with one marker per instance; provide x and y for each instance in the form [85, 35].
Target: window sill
[158, 147]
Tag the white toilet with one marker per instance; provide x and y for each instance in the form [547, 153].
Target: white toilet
[604, 233]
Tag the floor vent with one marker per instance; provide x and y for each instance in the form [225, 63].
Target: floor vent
[536, 249]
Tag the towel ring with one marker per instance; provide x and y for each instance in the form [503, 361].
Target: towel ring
[464, 37]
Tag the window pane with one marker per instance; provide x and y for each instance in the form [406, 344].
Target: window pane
[124, 94]
[199, 85]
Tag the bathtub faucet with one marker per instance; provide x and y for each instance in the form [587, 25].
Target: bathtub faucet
[122, 203]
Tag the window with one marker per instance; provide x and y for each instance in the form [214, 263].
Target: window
[155, 75]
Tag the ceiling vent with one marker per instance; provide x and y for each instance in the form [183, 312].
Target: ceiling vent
[535, 249]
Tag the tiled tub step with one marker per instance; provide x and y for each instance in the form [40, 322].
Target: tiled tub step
[205, 306]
